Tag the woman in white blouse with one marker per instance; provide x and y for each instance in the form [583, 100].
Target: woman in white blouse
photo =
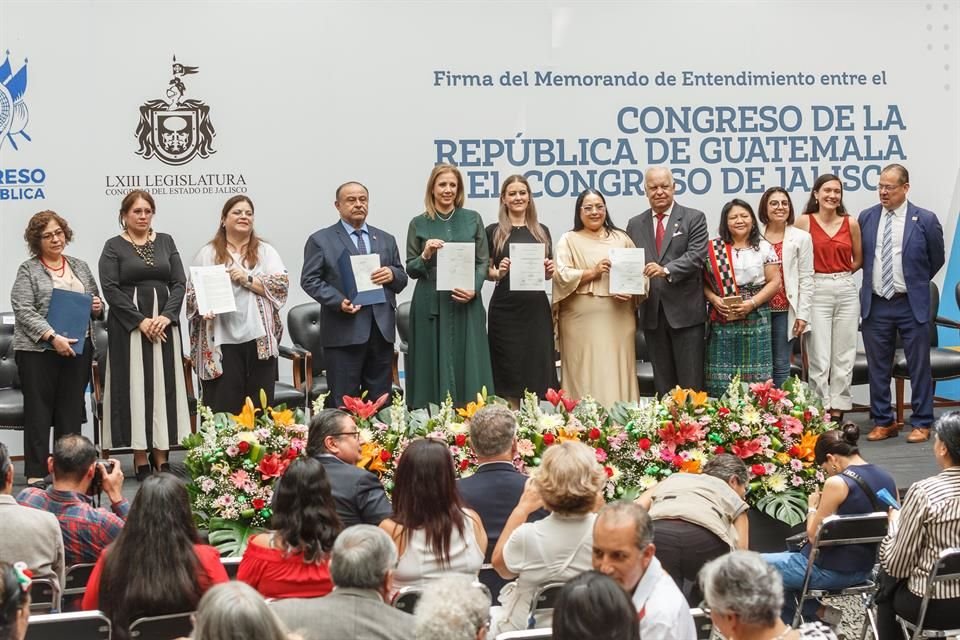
[790, 305]
[742, 274]
[235, 353]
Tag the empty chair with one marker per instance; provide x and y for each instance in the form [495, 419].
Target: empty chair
[75, 584]
[168, 627]
[82, 625]
[406, 599]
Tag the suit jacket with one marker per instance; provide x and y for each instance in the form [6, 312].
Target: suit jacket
[922, 255]
[345, 613]
[359, 495]
[797, 255]
[31, 536]
[683, 254]
[321, 279]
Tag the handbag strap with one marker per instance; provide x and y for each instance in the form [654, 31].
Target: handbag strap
[871, 494]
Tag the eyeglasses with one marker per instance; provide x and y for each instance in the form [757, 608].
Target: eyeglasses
[53, 234]
[355, 434]
[887, 188]
[590, 208]
[778, 205]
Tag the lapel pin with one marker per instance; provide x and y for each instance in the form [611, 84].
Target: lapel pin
[915, 218]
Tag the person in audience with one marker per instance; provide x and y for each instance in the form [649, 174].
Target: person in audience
[519, 326]
[742, 275]
[593, 605]
[435, 534]
[745, 596]
[834, 316]
[851, 488]
[86, 529]
[623, 549]
[596, 330]
[791, 304]
[928, 523]
[697, 517]
[235, 610]
[235, 354]
[569, 483]
[14, 601]
[28, 535]
[361, 565]
[495, 489]
[157, 565]
[145, 397]
[453, 608]
[292, 560]
[53, 369]
[333, 439]
[449, 352]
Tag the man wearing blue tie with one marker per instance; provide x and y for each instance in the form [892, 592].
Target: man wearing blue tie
[357, 339]
[902, 252]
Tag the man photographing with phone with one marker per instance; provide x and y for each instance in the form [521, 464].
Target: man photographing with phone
[76, 472]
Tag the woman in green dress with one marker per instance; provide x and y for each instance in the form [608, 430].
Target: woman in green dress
[448, 337]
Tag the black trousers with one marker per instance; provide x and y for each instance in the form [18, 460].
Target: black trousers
[683, 548]
[941, 614]
[244, 375]
[676, 355]
[360, 367]
[53, 390]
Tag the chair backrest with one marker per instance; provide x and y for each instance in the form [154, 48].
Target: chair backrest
[544, 597]
[45, 595]
[303, 323]
[947, 568]
[526, 634]
[867, 528]
[168, 627]
[640, 346]
[406, 599]
[76, 577]
[9, 377]
[934, 309]
[702, 622]
[403, 323]
[82, 625]
[232, 565]
[100, 351]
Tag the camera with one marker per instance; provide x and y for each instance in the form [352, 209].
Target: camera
[103, 466]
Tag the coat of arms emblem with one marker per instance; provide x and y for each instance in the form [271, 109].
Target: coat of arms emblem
[13, 110]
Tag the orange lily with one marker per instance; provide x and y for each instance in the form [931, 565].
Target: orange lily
[807, 443]
[679, 396]
[699, 398]
[370, 458]
[690, 466]
[471, 408]
[283, 418]
[248, 415]
[567, 436]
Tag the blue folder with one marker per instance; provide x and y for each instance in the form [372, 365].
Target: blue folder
[375, 296]
[69, 315]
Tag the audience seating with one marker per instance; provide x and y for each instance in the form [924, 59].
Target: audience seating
[527, 634]
[45, 596]
[11, 397]
[303, 324]
[644, 366]
[837, 531]
[947, 569]
[82, 625]
[168, 627]
[75, 584]
[543, 600]
[406, 599]
[703, 623]
[232, 565]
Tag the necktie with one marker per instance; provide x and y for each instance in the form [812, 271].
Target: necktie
[886, 257]
[659, 237]
[361, 245]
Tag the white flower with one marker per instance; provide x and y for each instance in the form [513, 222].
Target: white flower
[777, 482]
[646, 482]
[549, 422]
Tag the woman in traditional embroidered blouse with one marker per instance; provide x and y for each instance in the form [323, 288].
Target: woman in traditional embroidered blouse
[235, 353]
[742, 274]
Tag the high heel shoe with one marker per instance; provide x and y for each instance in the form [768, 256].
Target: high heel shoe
[143, 472]
[165, 467]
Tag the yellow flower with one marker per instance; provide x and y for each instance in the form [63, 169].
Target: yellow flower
[783, 458]
[565, 435]
[283, 418]
[807, 443]
[679, 396]
[370, 457]
[699, 398]
[690, 466]
[248, 416]
[472, 408]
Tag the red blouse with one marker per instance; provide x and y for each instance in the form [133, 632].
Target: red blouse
[211, 573]
[831, 254]
[276, 574]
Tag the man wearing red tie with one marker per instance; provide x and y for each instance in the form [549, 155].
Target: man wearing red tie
[902, 252]
[674, 239]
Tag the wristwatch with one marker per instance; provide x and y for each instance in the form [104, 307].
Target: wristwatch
[53, 336]
[249, 281]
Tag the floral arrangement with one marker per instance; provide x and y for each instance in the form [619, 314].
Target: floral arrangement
[233, 462]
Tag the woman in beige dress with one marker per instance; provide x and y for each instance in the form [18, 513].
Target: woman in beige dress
[596, 330]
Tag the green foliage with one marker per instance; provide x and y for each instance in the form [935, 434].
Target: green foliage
[787, 506]
[230, 537]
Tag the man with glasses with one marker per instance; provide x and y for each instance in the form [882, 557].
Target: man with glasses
[674, 239]
[335, 441]
[902, 252]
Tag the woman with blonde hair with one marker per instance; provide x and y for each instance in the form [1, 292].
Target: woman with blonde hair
[448, 337]
[569, 483]
[519, 324]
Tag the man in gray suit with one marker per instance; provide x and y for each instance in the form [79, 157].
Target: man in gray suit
[361, 565]
[673, 315]
[357, 339]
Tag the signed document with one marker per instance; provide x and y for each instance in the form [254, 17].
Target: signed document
[526, 266]
[455, 266]
[363, 266]
[213, 289]
[626, 272]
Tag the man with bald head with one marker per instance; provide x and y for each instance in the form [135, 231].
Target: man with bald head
[674, 239]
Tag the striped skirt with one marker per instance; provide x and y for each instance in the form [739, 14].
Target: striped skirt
[739, 347]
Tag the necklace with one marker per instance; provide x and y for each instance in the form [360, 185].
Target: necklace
[145, 250]
[782, 634]
[449, 215]
[57, 271]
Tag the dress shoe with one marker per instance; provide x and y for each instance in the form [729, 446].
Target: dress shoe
[882, 433]
[918, 435]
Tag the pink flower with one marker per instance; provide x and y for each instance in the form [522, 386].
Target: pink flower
[207, 485]
[233, 451]
[298, 443]
[601, 455]
[744, 449]
[792, 426]
[225, 500]
[525, 447]
[239, 478]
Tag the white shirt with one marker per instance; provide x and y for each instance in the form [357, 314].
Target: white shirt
[663, 611]
[749, 263]
[899, 222]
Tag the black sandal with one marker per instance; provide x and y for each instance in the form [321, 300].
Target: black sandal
[143, 472]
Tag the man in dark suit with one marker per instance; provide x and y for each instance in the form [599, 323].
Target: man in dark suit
[902, 252]
[334, 441]
[357, 339]
[674, 239]
[494, 490]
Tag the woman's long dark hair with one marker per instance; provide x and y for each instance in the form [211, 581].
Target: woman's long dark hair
[425, 495]
[578, 223]
[304, 512]
[839, 442]
[593, 605]
[813, 206]
[726, 235]
[152, 568]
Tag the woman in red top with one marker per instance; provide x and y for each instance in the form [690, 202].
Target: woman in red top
[293, 560]
[837, 254]
[156, 565]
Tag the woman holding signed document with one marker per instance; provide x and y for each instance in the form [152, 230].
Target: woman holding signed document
[447, 255]
[235, 352]
[742, 274]
[596, 329]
